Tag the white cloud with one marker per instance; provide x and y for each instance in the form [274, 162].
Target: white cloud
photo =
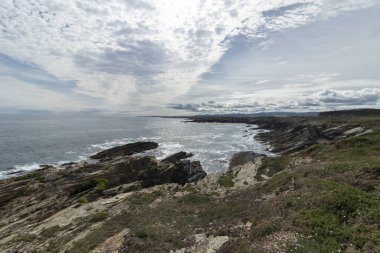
[143, 53]
[321, 100]
[34, 97]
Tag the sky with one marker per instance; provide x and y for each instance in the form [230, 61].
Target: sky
[177, 57]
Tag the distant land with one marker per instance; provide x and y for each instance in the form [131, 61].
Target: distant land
[349, 112]
[353, 112]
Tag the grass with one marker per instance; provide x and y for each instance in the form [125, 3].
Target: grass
[83, 201]
[50, 232]
[37, 174]
[326, 210]
[193, 198]
[99, 216]
[310, 246]
[189, 188]
[98, 184]
[265, 230]
[226, 180]
[101, 184]
[342, 210]
[272, 165]
[25, 237]
[145, 198]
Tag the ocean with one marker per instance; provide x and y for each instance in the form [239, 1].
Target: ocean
[28, 141]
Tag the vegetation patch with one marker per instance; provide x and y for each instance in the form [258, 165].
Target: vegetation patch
[148, 232]
[189, 188]
[50, 232]
[265, 230]
[335, 222]
[271, 166]
[309, 245]
[193, 198]
[83, 201]
[25, 238]
[37, 174]
[145, 198]
[99, 184]
[279, 180]
[99, 216]
[226, 180]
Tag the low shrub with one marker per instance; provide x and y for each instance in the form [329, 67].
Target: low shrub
[226, 180]
[99, 216]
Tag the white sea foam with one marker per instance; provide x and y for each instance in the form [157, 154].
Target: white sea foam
[19, 169]
[211, 144]
[110, 144]
[168, 148]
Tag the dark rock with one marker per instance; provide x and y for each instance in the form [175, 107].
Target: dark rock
[181, 172]
[124, 150]
[51, 177]
[177, 157]
[288, 134]
[15, 172]
[148, 170]
[110, 192]
[242, 158]
[69, 164]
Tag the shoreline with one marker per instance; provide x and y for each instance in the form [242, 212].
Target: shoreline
[134, 203]
[22, 169]
[282, 135]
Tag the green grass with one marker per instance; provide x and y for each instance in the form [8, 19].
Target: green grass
[145, 198]
[50, 232]
[148, 233]
[98, 184]
[83, 201]
[37, 174]
[101, 184]
[272, 165]
[340, 212]
[226, 180]
[193, 198]
[265, 230]
[25, 238]
[99, 216]
[309, 246]
[189, 188]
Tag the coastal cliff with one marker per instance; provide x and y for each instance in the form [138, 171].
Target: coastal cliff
[319, 194]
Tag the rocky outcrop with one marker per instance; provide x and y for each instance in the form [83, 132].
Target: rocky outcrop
[35, 197]
[92, 179]
[177, 157]
[291, 138]
[242, 158]
[124, 150]
[147, 170]
[291, 134]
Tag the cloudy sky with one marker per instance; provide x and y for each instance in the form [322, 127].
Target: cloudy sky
[181, 56]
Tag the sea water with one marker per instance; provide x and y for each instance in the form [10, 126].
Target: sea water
[28, 141]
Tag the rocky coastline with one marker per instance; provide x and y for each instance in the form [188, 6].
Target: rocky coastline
[127, 201]
[286, 135]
